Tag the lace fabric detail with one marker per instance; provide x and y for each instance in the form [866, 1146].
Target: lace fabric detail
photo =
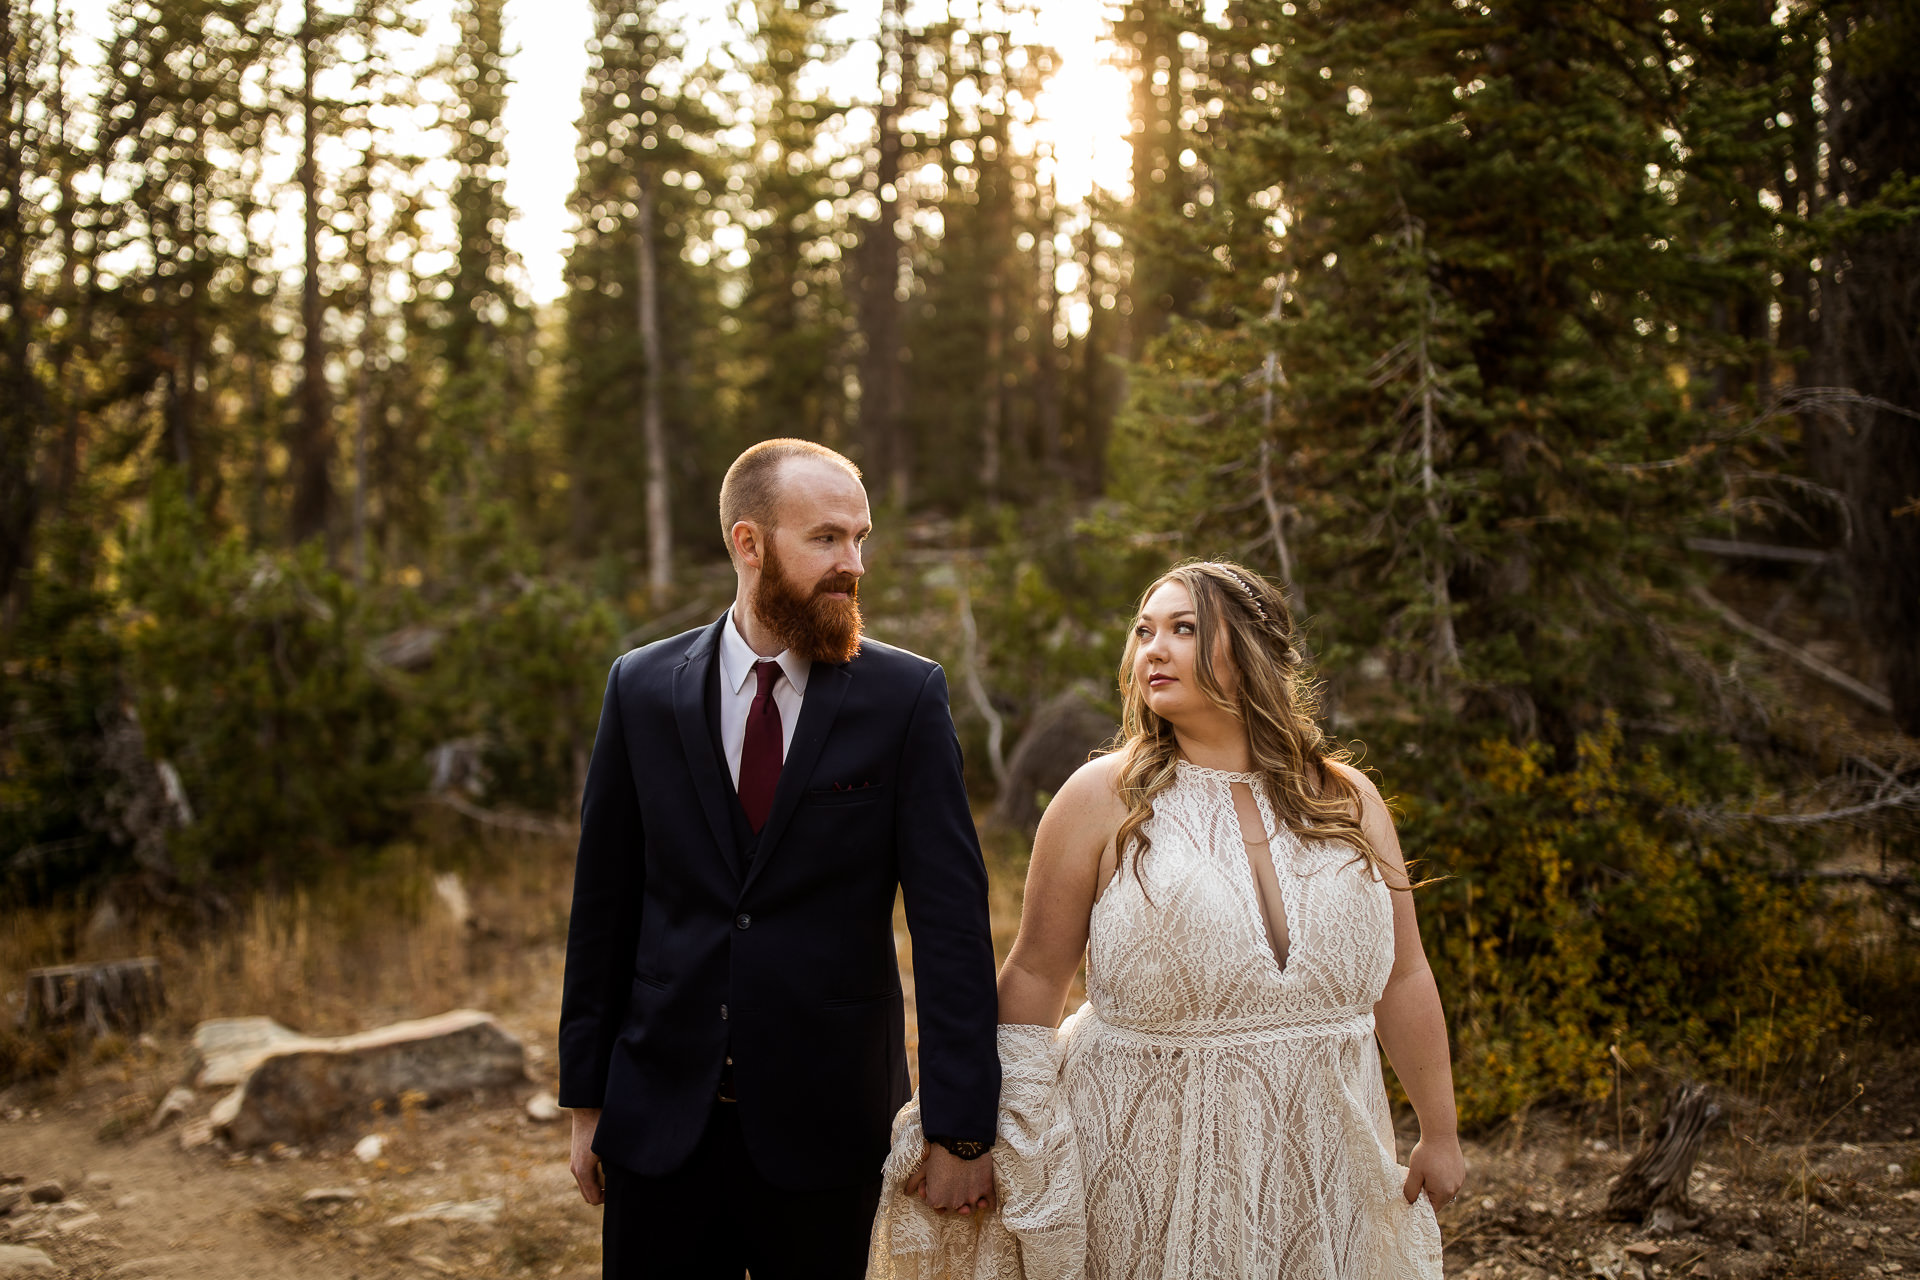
[1201, 771]
[1038, 1229]
[1230, 1114]
[1222, 1115]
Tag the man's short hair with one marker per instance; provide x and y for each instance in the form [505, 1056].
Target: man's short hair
[751, 490]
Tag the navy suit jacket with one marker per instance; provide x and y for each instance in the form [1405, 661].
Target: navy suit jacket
[691, 940]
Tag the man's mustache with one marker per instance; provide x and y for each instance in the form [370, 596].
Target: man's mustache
[844, 582]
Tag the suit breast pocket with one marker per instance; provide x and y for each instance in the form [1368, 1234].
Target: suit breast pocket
[833, 799]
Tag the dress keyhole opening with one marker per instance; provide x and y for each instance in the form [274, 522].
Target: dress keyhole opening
[1266, 880]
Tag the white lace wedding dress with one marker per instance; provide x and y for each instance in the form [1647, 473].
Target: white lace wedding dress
[1208, 1113]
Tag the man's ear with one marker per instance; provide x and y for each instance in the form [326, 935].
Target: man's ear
[747, 546]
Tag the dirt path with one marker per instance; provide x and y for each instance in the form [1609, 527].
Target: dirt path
[139, 1207]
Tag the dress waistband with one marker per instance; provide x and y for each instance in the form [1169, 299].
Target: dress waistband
[1223, 1033]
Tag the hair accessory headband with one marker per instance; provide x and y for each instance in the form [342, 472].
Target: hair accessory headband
[1241, 582]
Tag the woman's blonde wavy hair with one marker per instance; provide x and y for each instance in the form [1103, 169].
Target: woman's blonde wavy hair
[1276, 699]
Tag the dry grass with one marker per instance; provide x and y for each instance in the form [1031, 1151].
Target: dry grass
[354, 949]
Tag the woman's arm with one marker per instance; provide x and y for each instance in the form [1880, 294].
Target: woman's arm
[1409, 1022]
[1062, 882]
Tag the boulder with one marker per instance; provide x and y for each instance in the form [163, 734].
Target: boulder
[304, 1092]
[1064, 732]
[226, 1049]
[48, 1192]
[19, 1260]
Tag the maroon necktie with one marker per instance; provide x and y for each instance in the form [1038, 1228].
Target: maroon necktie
[761, 750]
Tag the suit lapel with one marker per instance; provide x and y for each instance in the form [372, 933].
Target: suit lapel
[696, 739]
[826, 689]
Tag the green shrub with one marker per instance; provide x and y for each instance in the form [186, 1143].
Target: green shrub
[1584, 909]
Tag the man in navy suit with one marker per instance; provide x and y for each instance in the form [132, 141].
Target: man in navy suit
[732, 1035]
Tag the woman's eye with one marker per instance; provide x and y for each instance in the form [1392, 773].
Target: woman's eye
[1183, 629]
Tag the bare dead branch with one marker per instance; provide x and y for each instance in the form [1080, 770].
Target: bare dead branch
[1787, 649]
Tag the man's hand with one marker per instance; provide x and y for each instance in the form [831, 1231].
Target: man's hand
[1438, 1167]
[584, 1164]
[947, 1182]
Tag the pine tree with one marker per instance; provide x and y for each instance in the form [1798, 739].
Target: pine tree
[646, 140]
[794, 327]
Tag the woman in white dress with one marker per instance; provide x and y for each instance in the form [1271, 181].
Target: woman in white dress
[1242, 905]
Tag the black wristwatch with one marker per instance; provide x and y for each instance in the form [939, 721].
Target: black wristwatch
[964, 1148]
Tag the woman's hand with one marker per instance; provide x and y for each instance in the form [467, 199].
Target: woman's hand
[1437, 1167]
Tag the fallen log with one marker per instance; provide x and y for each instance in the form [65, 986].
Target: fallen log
[1654, 1184]
[114, 995]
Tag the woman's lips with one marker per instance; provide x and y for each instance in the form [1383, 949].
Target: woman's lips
[1156, 681]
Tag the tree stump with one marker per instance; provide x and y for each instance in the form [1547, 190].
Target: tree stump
[1654, 1183]
[117, 995]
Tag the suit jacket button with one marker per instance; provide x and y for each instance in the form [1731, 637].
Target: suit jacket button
[723, 1013]
[743, 921]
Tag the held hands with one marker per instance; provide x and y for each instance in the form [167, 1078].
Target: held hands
[584, 1164]
[1438, 1167]
[949, 1183]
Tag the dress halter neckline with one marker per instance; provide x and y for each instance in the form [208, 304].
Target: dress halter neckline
[1201, 771]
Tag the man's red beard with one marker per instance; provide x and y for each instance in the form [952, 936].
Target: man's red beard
[811, 623]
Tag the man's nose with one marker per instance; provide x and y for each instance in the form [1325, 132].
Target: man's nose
[851, 561]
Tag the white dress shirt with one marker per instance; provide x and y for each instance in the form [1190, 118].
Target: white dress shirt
[737, 689]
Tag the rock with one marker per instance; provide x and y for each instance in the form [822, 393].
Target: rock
[9, 1197]
[197, 1134]
[174, 1106]
[302, 1093]
[226, 1049]
[330, 1195]
[369, 1148]
[1065, 730]
[1861, 1242]
[80, 1223]
[48, 1192]
[97, 1181]
[18, 1260]
[484, 1212]
[1643, 1249]
[543, 1108]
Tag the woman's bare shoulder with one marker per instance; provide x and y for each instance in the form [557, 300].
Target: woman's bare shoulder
[1095, 784]
[1362, 784]
[1083, 815]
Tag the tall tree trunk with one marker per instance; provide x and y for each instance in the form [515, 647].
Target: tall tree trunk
[63, 468]
[652, 428]
[1870, 315]
[1046, 375]
[363, 416]
[22, 402]
[881, 380]
[313, 439]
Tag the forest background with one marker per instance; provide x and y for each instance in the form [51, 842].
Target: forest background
[1563, 358]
